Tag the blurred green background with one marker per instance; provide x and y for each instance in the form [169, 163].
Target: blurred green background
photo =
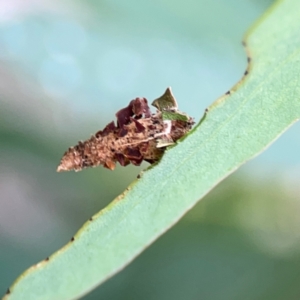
[66, 68]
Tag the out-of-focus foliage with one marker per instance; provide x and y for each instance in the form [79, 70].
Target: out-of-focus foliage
[64, 70]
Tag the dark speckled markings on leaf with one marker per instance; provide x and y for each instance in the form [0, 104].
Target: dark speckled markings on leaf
[138, 135]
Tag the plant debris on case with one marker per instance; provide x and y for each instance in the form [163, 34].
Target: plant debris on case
[138, 135]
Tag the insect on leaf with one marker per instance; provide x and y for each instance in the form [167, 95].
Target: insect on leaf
[138, 136]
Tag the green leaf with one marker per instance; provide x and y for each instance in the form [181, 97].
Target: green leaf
[236, 128]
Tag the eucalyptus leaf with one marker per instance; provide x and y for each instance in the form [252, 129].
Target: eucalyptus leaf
[236, 128]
